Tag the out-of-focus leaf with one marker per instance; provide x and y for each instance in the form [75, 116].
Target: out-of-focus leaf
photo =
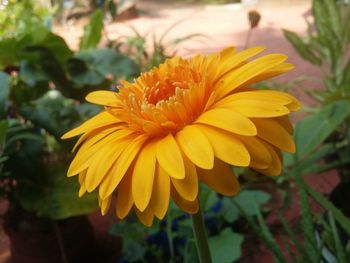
[92, 31]
[226, 247]
[4, 91]
[56, 45]
[190, 253]
[313, 130]
[249, 200]
[91, 67]
[8, 52]
[3, 132]
[56, 197]
[303, 49]
[133, 234]
[229, 211]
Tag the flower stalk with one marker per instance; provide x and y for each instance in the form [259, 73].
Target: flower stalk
[201, 238]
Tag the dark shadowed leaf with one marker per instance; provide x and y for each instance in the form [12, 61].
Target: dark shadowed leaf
[4, 91]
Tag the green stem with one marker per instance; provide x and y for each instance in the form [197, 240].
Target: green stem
[170, 238]
[200, 236]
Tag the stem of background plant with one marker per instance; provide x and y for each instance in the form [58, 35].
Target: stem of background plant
[200, 236]
[247, 39]
[170, 237]
[60, 242]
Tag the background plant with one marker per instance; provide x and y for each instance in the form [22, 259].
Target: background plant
[43, 85]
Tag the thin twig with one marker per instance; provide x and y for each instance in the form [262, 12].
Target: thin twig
[60, 241]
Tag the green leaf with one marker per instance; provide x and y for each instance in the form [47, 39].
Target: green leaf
[303, 49]
[92, 31]
[313, 130]
[4, 92]
[226, 247]
[8, 52]
[249, 200]
[91, 67]
[229, 211]
[56, 45]
[56, 197]
[190, 253]
[3, 132]
[133, 235]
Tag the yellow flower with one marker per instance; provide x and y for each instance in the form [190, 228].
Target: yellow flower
[186, 121]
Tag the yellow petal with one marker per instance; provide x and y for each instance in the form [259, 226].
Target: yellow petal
[143, 176]
[146, 217]
[271, 96]
[275, 167]
[228, 120]
[227, 147]
[248, 71]
[221, 178]
[170, 158]
[101, 163]
[124, 196]
[87, 151]
[82, 190]
[190, 207]
[105, 204]
[285, 123]
[82, 176]
[187, 187]
[258, 109]
[294, 105]
[102, 119]
[273, 72]
[115, 175]
[196, 146]
[161, 193]
[229, 60]
[93, 136]
[102, 97]
[271, 131]
[260, 156]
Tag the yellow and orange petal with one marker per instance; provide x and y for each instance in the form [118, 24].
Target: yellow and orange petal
[184, 122]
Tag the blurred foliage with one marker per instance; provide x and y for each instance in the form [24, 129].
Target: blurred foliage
[327, 46]
[315, 238]
[18, 16]
[172, 239]
[42, 86]
[149, 55]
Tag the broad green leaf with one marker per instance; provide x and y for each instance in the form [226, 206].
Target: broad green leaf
[226, 247]
[92, 31]
[314, 129]
[91, 67]
[249, 200]
[229, 211]
[4, 91]
[56, 197]
[303, 49]
[133, 235]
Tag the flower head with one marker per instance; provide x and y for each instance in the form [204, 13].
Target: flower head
[186, 121]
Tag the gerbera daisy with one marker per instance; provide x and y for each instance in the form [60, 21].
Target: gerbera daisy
[186, 121]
